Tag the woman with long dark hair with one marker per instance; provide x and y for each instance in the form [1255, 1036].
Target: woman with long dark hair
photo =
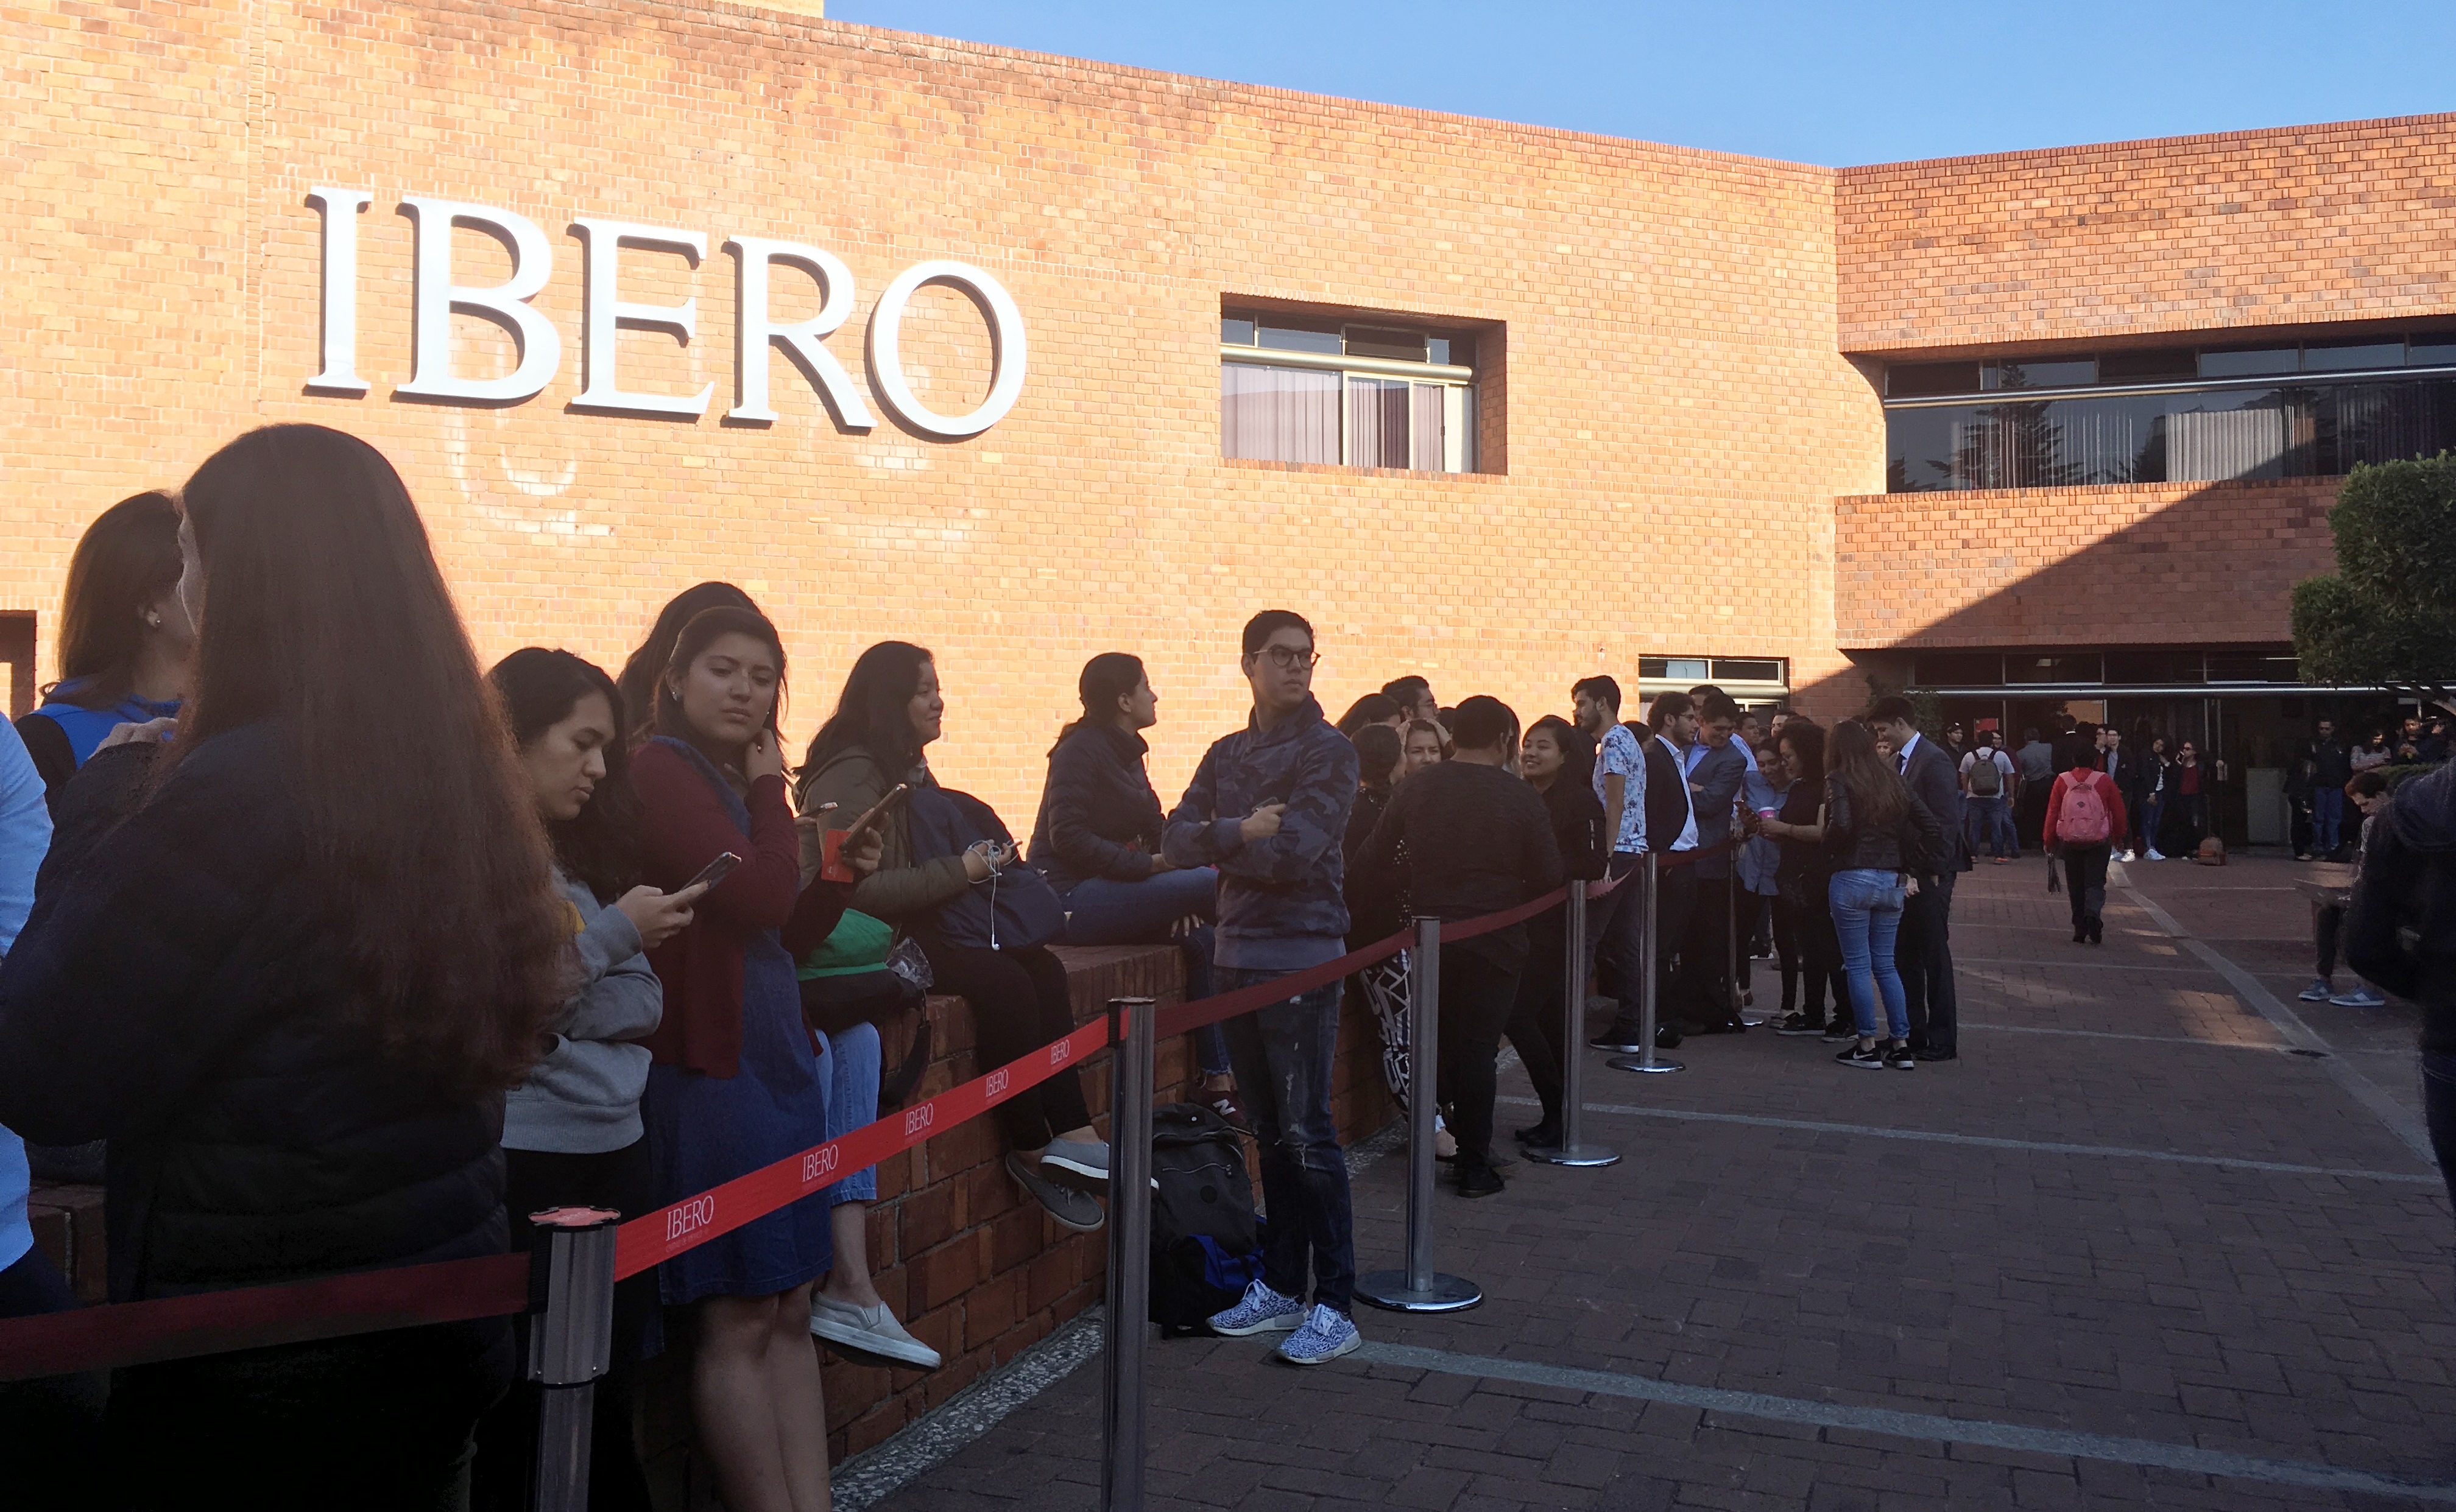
[737, 1083]
[1876, 834]
[890, 711]
[1803, 916]
[1096, 840]
[1554, 757]
[125, 638]
[642, 668]
[572, 1133]
[291, 992]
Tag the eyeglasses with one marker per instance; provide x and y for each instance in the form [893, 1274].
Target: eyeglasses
[1287, 658]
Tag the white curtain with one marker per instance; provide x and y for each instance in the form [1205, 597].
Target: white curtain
[1425, 449]
[1277, 413]
[2215, 446]
[1377, 421]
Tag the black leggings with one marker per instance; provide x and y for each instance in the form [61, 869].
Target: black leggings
[1811, 960]
[1535, 1016]
[1476, 999]
[1020, 1002]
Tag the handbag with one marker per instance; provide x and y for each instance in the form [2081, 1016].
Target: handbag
[1015, 909]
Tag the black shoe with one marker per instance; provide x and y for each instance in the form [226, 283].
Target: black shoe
[1863, 1057]
[1621, 1038]
[1898, 1057]
[1544, 1135]
[1664, 1038]
[1932, 1053]
[1478, 1180]
[1840, 1032]
[1797, 1025]
[2081, 934]
[2098, 931]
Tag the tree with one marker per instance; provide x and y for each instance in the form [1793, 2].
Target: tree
[2386, 618]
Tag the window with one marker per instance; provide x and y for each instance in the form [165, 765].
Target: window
[1737, 675]
[2153, 667]
[1689, 669]
[2083, 667]
[1957, 669]
[2254, 666]
[1303, 388]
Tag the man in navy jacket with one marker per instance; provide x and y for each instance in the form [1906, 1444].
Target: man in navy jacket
[1923, 952]
[1268, 807]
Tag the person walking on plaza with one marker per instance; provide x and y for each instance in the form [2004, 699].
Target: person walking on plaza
[2034, 765]
[1268, 807]
[1987, 783]
[1925, 946]
[1096, 840]
[1874, 826]
[2085, 815]
[2401, 933]
[2332, 767]
[292, 987]
[1615, 929]
[1477, 841]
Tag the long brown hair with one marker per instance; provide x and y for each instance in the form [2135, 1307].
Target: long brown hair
[325, 613]
[127, 559]
[1878, 798]
[645, 668]
[704, 630]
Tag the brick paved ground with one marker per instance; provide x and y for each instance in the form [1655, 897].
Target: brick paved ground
[2300, 1318]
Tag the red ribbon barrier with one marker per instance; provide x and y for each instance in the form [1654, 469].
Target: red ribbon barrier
[490, 1286]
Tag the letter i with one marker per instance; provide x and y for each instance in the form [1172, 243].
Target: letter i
[340, 208]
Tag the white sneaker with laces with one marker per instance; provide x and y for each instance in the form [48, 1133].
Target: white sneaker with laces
[2131, 856]
[1327, 1335]
[2154, 856]
[1261, 1311]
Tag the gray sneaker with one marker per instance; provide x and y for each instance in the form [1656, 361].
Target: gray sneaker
[1074, 1210]
[868, 1336]
[1080, 1164]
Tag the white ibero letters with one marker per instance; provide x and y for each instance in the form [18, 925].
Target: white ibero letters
[437, 298]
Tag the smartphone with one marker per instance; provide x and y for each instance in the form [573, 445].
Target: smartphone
[714, 873]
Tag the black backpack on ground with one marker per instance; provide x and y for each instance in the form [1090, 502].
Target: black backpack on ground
[1205, 1239]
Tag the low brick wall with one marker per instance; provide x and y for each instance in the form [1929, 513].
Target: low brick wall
[971, 1266]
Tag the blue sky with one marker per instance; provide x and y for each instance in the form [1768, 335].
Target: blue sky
[1836, 83]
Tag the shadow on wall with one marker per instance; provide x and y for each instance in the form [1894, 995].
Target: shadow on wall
[2113, 565]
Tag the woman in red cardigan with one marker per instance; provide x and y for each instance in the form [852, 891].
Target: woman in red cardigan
[736, 1084]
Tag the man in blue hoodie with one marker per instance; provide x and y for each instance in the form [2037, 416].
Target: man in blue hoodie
[1268, 807]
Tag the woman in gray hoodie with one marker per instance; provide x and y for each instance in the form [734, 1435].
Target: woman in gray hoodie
[572, 1134]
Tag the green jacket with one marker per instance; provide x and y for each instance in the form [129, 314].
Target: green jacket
[901, 889]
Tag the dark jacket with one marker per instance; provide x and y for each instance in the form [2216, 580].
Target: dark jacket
[2407, 880]
[1714, 782]
[1377, 903]
[1851, 847]
[1478, 840]
[1668, 797]
[1934, 779]
[1281, 903]
[2335, 762]
[180, 990]
[1098, 815]
[1578, 828]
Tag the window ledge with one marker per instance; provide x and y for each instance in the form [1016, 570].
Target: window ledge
[1342, 470]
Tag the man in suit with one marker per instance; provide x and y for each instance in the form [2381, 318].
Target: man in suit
[1716, 765]
[1671, 827]
[1923, 952]
[2129, 770]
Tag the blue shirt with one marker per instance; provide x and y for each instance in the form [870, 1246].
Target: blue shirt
[86, 727]
[24, 838]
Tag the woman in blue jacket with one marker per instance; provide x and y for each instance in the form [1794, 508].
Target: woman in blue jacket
[1097, 842]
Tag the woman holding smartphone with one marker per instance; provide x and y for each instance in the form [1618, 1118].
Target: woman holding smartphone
[736, 1083]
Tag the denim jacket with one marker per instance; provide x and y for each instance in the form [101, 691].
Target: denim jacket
[1281, 903]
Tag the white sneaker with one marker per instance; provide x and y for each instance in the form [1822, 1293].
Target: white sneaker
[2131, 856]
[2154, 856]
[868, 1336]
[1261, 1311]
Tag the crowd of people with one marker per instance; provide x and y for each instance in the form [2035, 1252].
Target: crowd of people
[353, 955]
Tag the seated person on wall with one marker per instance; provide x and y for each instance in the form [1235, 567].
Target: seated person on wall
[1097, 842]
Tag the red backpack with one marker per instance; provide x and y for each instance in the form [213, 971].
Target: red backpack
[2083, 819]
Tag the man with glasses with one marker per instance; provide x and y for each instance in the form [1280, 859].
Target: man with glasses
[1268, 807]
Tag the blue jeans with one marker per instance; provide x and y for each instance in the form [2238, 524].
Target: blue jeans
[2152, 818]
[849, 1066]
[1099, 911]
[1286, 1057]
[1867, 917]
[1990, 821]
[2327, 818]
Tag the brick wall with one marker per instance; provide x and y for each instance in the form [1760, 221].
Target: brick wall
[1672, 386]
[2349, 221]
[2145, 563]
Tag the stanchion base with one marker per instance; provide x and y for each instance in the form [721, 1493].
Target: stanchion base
[1640, 1063]
[1390, 1289]
[1576, 1155]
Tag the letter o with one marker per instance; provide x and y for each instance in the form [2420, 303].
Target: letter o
[886, 358]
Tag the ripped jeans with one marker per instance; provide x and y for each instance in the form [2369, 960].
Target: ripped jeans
[1285, 1055]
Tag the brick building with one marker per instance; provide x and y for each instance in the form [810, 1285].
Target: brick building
[1500, 404]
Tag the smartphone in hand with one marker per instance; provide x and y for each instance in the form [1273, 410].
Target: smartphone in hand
[714, 873]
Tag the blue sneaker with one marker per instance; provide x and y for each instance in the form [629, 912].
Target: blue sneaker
[1327, 1335]
[1262, 1310]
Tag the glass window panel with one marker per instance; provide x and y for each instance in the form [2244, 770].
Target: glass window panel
[1235, 332]
[2352, 356]
[1371, 340]
[1915, 379]
[2149, 667]
[1377, 421]
[1437, 349]
[1297, 338]
[2248, 361]
[1919, 449]
[1426, 451]
[1651, 668]
[2042, 375]
[2146, 365]
[1747, 669]
[1277, 413]
[1957, 669]
[2222, 437]
[2433, 348]
[2253, 666]
[2083, 667]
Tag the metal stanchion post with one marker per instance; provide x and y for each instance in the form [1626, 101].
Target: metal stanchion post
[1647, 898]
[1572, 1150]
[571, 1344]
[1129, 1300]
[1420, 1288]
